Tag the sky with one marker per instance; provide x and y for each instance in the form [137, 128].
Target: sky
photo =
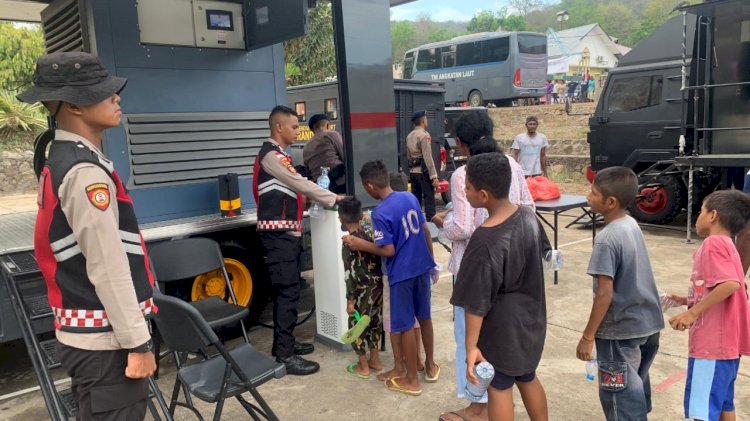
[443, 10]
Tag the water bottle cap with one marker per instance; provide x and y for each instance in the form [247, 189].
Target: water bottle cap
[590, 377]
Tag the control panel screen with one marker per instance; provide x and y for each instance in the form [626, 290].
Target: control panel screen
[220, 20]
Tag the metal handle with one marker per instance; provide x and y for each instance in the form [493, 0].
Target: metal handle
[655, 135]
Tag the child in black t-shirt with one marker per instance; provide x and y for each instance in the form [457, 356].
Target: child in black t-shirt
[501, 287]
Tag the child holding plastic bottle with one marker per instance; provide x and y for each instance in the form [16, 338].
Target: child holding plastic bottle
[625, 317]
[718, 317]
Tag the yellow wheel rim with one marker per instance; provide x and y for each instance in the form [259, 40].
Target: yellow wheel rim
[212, 283]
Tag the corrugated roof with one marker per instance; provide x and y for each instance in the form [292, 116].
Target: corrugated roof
[569, 38]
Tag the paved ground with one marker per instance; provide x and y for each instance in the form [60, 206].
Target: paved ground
[17, 203]
[334, 395]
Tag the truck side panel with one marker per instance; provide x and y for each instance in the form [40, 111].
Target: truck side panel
[730, 106]
[252, 81]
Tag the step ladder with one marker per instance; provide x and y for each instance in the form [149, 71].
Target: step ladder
[28, 296]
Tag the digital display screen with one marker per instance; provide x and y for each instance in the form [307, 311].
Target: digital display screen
[220, 20]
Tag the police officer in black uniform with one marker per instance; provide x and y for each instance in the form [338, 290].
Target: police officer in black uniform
[280, 194]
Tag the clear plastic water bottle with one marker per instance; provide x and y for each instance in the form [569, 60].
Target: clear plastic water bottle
[591, 368]
[449, 217]
[666, 301]
[553, 261]
[316, 210]
[485, 372]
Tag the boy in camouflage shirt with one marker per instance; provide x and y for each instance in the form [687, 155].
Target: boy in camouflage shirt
[364, 290]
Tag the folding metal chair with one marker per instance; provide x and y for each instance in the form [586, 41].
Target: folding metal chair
[183, 259]
[228, 374]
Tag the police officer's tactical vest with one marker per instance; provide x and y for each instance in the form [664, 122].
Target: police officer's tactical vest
[279, 207]
[72, 297]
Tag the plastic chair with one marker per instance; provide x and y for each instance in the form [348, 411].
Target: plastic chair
[228, 374]
[181, 259]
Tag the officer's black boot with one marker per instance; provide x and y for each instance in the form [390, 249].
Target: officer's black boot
[298, 366]
[303, 348]
[300, 348]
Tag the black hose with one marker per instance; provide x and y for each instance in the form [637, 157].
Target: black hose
[312, 311]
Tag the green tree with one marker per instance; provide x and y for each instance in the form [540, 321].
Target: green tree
[403, 37]
[617, 21]
[314, 55]
[486, 21]
[441, 35]
[582, 12]
[524, 7]
[514, 23]
[16, 116]
[654, 15]
[20, 46]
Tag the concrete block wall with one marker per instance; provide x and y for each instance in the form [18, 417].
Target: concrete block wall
[17, 172]
[568, 152]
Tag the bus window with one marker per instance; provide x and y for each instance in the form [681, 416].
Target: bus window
[331, 108]
[426, 59]
[448, 56]
[532, 44]
[469, 53]
[408, 65]
[299, 108]
[494, 50]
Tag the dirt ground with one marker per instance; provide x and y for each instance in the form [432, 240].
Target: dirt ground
[332, 394]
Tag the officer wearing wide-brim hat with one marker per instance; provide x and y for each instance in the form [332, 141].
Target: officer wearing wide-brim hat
[422, 173]
[87, 241]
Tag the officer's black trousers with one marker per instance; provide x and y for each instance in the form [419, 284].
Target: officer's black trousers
[282, 254]
[100, 387]
[421, 186]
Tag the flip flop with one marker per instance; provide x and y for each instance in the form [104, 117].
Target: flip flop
[393, 386]
[453, 413]
[429, 379]
[350, 369]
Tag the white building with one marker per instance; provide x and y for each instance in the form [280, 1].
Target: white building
[574, 51]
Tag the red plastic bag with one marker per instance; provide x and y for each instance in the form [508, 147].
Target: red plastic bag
[542, 188]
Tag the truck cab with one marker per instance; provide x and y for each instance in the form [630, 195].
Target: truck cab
[638, 120]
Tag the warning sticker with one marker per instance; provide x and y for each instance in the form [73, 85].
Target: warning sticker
[98, 195]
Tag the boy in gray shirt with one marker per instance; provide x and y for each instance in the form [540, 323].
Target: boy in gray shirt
[626, 315]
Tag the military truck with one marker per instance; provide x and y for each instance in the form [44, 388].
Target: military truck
[409, 95]
[676, 110]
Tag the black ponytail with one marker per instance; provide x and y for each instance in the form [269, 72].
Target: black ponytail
[43, 140]
[474, 129]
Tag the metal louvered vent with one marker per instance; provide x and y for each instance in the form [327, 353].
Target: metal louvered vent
[63, 29]
[168, 149]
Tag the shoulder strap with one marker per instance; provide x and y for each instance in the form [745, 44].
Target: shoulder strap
[64, 155]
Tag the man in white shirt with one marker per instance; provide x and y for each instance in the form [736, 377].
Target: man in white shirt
[529, 149]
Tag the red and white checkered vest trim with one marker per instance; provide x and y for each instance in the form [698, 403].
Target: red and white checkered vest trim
[279, 225]
[92, 318]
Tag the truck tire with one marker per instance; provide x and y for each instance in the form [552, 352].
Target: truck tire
[475, 98]
[249, 278]
[446, 196]
[660, 202]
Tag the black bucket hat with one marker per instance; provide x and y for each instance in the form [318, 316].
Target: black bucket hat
[75, 77]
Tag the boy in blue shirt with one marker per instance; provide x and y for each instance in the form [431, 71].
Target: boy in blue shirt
[401, 235]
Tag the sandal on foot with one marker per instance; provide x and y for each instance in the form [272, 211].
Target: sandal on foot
[429, 379]
[441, 418]
[350, 369]
[393, 386]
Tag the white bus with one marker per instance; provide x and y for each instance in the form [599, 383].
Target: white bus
[495, 67]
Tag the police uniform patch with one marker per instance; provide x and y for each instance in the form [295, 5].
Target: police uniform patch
[287, 163]
[98, 194]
